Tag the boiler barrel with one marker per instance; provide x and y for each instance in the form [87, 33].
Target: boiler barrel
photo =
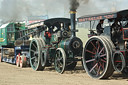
[74, 45]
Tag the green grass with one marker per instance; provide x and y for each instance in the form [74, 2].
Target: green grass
[82, 34]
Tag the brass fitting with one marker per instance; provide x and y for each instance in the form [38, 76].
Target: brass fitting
[72, 12]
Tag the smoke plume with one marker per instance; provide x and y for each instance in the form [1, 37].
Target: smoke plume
[74, 4]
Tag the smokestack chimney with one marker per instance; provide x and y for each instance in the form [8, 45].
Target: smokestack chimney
[73, 22]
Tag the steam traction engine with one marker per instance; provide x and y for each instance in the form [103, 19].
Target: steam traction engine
[107, 52]
[57, 45]
[54, 42]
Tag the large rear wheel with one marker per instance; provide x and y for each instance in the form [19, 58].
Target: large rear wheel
[35, 54]
[96, 58]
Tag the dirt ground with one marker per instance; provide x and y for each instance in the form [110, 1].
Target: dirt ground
[12, 75]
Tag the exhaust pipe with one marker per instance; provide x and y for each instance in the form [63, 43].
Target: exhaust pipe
[73, 22]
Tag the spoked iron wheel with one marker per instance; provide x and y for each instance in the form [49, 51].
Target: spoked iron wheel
[118, 61]
[60, 60]
[35, 55]
[96, 58]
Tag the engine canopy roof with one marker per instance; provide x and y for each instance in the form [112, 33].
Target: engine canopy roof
[57, 20]
[110, 15]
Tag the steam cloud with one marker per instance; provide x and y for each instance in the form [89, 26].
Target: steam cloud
[19, 10]
[14, 10]
[101, 6]
[74, 4]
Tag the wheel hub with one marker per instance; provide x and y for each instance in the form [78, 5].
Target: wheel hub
[97, 57]
[36, 54]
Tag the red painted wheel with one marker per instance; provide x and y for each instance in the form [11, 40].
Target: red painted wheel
[118, 61]
[21, 64]
[17, 60]
[96, 58]
[23, 61]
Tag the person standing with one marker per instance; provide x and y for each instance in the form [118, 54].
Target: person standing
[99, 27]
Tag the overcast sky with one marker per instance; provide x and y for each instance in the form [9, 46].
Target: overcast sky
[18, 9]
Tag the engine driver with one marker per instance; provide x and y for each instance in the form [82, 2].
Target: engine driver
[99, 27]
[116, 32]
